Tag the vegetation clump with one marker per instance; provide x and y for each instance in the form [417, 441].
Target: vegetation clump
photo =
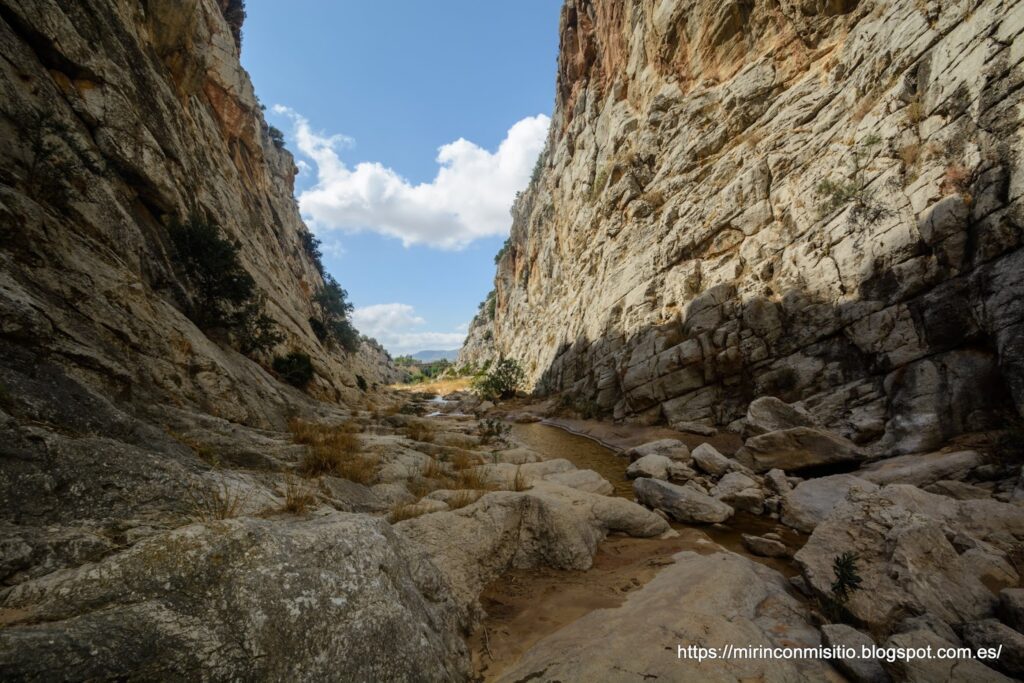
[332, 325]
[846, 583]
[502, 382]
[855, 190]
[333, 450]
[224, 295]
[296, 368]
[276, 136]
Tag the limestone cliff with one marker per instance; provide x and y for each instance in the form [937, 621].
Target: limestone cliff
[117, 119]
[819, 201]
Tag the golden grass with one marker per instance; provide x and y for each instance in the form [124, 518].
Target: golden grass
[472, 479]
[519, 482]
[464, 497]
[909, 155]
[432, 469]
[299, 496]
[418, 430]
[439, 387]
[217, 501]
[333, 450]
[404, 512]
[462, 460]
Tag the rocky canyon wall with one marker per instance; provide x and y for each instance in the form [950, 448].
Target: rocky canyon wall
[116, 119]
[819, 201]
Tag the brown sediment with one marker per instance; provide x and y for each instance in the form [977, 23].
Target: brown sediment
[524, 606]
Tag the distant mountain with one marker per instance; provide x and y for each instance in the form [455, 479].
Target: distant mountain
[430, 356]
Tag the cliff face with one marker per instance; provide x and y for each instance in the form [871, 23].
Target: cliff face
[817, 201]
[117, 119]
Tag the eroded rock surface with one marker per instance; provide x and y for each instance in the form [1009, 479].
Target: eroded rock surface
[818, 202]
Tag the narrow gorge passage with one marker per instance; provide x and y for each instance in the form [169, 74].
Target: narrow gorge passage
[553, 342]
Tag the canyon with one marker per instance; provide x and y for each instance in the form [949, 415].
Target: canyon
[766, 288]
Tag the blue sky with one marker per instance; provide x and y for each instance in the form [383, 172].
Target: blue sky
[368, 95]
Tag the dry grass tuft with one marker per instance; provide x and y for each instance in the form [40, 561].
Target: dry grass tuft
[472, 479]
[432, 469]
[216, 501]
[519, 482]
[462, 460]
[404, 512]
[334, 450]
[419, 430]
[299, 496]
[463, 498]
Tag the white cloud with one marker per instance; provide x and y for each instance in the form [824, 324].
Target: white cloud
[396, 327]
[469, 198]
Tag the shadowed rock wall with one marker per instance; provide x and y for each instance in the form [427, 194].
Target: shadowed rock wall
[737, 199]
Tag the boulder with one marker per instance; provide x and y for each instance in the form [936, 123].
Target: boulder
[707, 458]
[682, 503]
[582, 480]
[958, 490]
[318, 599]
[733, 482]
[549, 525]
[796, 449]
[809, 503]
[776, 482]
[991, 633]
[921, 470]
[857, 669]
[741, 492]
[700, 599]
[1011, 607]
[769, 414]
[931, 669]
[694, 428]
[765, 547]
[672, 449]
[909, 562]
[653, 465]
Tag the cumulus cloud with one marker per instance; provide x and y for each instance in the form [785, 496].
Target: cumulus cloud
[469, 198]
[398, 328]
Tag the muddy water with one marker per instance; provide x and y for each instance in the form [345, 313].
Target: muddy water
[524, 606]
[587, 454]
[584, 453]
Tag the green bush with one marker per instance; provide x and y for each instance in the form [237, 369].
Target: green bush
[277, 137]
[502, 381]
[296, 368]
[334, 325]
[311, 245]
[848, 578]
[361, 383]
[224, 295]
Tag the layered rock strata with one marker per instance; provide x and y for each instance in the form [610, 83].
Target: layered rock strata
[818, 202]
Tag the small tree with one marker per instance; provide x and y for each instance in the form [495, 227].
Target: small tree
[502, 381]
[311, 245]
[224, 295]
[334, 325]
[853, 190]
[296, 368]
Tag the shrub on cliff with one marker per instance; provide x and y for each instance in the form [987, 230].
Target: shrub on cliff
[296, 368]
[502, 381]
[333, 324]
[224, 295]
